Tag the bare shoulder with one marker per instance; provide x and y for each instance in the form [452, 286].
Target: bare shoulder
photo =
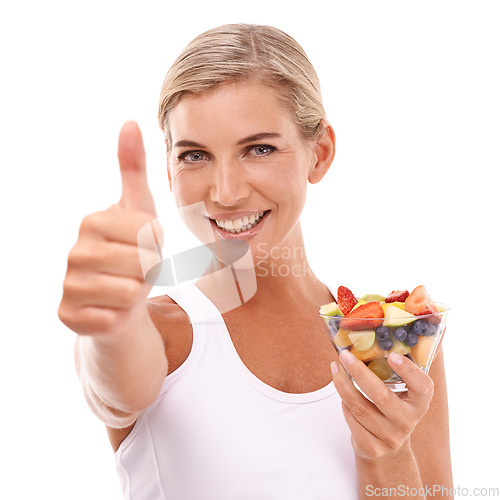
[174, 326]
[431, 440]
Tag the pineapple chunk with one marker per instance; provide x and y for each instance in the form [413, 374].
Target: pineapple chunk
[359, 303]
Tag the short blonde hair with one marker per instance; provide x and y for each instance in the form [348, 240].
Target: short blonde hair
[239, 52]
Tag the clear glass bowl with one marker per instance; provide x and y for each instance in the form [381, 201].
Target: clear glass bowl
[418, 339]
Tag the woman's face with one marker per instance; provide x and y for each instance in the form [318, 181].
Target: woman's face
[238, 152]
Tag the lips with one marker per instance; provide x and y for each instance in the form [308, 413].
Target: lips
[240, 224]
[237, 226]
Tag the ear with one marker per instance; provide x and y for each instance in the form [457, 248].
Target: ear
[324, 152]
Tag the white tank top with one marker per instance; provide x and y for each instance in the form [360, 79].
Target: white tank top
[217, 432]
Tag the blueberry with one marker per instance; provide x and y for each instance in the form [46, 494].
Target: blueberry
[400, 333]
[419, 327]
[334, 323]
[386, 344]
[383, 333]
[431, 329]
[411, 339]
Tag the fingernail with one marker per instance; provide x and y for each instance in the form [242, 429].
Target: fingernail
[347, 357]
[395, 358]
[335, 367]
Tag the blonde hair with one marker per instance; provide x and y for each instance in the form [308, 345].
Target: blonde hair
[240, 52]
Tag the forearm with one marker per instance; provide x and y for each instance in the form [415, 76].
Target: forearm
[395, 477]
[124, 372]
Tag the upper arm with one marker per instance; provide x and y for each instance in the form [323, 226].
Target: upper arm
[430, 440]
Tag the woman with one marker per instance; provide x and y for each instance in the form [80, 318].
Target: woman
[206, 396]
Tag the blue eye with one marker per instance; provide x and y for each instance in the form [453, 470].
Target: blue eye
[262, 149]
[192, 156]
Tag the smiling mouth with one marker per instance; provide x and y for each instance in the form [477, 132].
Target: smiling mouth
[241, 224]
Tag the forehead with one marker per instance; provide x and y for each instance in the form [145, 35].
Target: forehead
[230, 112]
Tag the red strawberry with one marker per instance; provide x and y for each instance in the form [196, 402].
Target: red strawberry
[364, 317]
[397, 296]
[345, 299]
[420, 303]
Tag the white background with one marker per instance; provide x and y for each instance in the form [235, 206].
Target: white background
[411, 89]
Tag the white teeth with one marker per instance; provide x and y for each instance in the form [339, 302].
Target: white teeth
[242, 224]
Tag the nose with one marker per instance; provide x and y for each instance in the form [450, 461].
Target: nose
[229, 185]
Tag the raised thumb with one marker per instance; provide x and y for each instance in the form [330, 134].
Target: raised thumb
[132, 158]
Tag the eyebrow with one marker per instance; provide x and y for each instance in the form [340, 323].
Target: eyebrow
[258, 137]
[185, 143]
[188, 144]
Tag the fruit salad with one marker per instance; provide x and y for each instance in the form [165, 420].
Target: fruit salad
[373, 326]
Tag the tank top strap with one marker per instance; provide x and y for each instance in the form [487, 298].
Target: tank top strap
[198, 307]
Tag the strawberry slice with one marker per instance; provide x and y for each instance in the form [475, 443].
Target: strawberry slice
[397, 296]
[364, 317]
[345, 299]
[420, 303]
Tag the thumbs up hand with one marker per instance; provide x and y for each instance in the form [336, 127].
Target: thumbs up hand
[104, 288]
[132, 157]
